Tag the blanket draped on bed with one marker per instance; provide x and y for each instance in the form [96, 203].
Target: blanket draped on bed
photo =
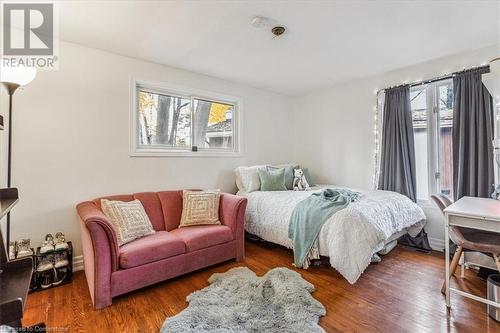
[309, 216]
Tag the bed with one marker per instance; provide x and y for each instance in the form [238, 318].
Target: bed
[350, 237]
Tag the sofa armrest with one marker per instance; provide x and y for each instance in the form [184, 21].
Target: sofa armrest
[97, 223]
[232, 213]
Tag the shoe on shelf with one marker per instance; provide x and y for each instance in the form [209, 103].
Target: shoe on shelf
[47, 279]
[60, 275]
[48, 244]
[46, 264]
[23, 248]
[12, 250]
[60, 242]
[46, 247]
[60, 260]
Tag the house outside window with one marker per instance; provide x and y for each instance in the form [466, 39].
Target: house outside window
[168, 122]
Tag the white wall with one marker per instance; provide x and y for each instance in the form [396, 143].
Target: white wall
[337, 126]
[71, 139]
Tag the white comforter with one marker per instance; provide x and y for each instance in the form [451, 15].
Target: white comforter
[349, 237]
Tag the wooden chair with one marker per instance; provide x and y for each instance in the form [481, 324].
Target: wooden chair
[468, 239]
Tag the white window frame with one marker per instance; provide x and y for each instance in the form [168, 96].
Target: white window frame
[167, 89]
[433, 116]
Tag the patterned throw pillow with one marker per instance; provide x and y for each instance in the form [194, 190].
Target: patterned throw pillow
[200, 207]
[129, 219]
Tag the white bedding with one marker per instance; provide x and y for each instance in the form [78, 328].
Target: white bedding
[349, 237]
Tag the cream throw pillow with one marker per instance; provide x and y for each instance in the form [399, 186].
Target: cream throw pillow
[200, 207]
[129, 219]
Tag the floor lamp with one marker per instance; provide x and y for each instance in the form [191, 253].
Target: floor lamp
[13, 78]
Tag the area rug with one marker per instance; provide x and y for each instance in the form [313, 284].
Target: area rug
[240, 301]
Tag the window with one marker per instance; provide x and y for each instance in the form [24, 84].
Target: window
[166, 123]
[432, 113]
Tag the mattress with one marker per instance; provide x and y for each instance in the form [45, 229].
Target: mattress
[350, 237]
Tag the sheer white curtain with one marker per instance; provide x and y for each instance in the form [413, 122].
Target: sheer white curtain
[378, 124]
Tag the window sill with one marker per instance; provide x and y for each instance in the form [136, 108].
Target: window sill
[148, 153]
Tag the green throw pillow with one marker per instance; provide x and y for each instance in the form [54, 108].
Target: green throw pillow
[289, 177]
[272, 179]
[288, 173]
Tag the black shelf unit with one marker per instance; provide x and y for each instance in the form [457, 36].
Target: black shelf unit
[15, 275]
[38, 277]
[14, 283]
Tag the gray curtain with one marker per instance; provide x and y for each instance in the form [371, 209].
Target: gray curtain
[472, 135]
[397, 159]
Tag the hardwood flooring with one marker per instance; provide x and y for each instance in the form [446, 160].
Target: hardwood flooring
[400, 294]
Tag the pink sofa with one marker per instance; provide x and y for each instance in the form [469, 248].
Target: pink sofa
[171, 251]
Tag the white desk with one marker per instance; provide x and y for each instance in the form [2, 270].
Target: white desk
[473, 213]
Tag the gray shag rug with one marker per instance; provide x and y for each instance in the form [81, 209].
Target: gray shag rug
[240, 301]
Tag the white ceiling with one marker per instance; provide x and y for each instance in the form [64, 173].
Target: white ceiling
[326, 41]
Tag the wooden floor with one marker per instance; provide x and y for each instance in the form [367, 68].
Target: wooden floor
[400, 294]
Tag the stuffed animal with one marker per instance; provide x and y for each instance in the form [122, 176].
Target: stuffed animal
[299, 181]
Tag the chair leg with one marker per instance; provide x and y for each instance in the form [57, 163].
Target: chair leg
[497, 260]
[453, 265]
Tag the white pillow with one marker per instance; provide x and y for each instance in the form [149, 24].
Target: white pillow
[239, 183]
[247, 178]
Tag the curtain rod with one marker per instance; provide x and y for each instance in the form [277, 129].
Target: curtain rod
[435, 79]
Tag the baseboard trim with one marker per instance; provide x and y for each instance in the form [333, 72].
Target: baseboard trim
[77, 263]
[437, 244]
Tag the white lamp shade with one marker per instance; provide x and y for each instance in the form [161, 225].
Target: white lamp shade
[491, 80]
[21, 75]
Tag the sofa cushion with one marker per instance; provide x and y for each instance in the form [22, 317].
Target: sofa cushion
[203, 236]
[171, 202]
[152, 206]
[120, 197]
[157, 246]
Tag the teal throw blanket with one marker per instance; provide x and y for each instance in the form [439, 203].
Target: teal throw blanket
[309, 216]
